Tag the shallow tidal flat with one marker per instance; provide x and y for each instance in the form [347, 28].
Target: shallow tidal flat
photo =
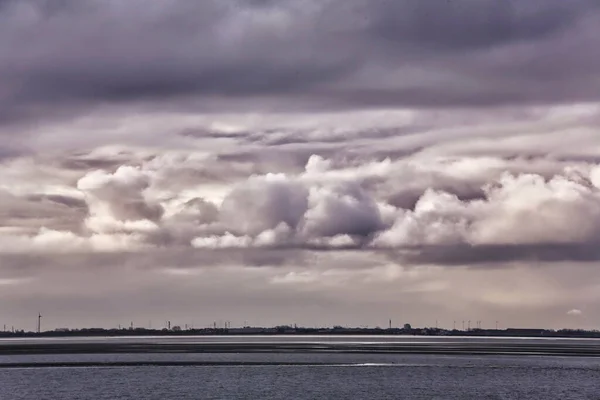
[298, 345]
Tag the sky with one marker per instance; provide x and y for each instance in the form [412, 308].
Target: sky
[318, 162]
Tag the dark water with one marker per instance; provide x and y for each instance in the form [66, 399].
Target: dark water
[301, 376]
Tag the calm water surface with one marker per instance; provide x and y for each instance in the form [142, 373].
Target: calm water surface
[316, 376]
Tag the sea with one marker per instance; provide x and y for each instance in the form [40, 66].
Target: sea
[295, 375]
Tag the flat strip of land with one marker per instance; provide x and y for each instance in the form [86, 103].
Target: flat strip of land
[549, 348]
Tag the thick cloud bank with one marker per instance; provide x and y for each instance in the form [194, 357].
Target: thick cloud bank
[428, 206]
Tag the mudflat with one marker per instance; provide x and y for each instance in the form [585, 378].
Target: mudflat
[314, 344]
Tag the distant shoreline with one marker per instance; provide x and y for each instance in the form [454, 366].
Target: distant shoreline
[290, 331]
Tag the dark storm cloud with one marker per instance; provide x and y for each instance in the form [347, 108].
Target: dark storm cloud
[8, 153]
[87, 164]
[181, 258]
[486, 255]
[470, 24]
[51, 211]
[293, 54]
[285, 137]
[408, 198]
[66, 201]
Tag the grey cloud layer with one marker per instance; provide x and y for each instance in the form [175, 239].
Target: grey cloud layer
[59, 56]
